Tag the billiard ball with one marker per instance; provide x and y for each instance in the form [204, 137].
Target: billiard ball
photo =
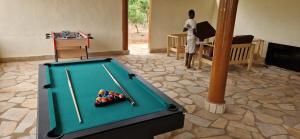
[110, 96]
[121, 96]
[106, 93]
[101, 92]
[98, 99]
[109, 99]
[97, 103]
[104, 100]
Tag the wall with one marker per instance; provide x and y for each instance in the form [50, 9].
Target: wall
[215, 13]
[272, 20]
[168, 16]
[23, 24]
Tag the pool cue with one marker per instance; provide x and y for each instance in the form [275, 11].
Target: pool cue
[131, 100]
[73, 96]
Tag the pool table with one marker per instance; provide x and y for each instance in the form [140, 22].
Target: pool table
[154, 113]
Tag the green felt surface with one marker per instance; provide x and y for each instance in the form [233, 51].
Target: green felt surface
[87, 79]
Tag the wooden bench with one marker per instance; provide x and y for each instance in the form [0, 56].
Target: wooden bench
[176, 43]
[240, 54]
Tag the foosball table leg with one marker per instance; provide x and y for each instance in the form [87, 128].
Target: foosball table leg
[86, 51]
[56, 56]
[80, 49]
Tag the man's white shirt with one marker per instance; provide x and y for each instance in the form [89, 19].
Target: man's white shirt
[190, 24]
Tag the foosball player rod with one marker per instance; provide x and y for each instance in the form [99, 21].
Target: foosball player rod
[73, 96]
[131, 100]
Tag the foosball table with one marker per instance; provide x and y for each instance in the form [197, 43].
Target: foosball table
[70, 44]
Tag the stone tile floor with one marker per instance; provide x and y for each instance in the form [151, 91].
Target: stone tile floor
[139, 49]
[262, 103]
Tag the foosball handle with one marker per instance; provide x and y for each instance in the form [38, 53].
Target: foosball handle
[89, 36]
[48, 36]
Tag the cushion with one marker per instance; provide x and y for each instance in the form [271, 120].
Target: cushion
[242, 39]
[204, 30]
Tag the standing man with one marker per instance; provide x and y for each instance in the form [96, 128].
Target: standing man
[190, 27]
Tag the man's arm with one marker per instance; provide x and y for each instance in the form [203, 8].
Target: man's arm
[185, 29]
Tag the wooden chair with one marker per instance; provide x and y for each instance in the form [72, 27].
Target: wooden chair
[176, 43]
[259, 46]
[240, 54]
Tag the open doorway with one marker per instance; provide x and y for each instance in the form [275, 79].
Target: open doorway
[138, 19]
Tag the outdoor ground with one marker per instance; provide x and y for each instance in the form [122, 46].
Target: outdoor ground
[138, 42]
[140, 37]
[262, 103]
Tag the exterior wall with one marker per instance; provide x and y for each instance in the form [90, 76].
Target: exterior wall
[272, 20]
[168, 16]
[23, 24]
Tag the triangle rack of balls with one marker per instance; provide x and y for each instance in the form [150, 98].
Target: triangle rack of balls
[105, 97]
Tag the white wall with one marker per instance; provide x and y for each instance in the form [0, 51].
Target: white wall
[23, 24]
[168, 16]
[272, 20]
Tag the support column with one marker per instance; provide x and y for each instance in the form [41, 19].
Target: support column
[215, 102]
[125, 24]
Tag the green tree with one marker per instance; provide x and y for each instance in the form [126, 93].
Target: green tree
[138, 12]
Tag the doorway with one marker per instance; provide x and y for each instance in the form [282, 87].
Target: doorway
[138, 26]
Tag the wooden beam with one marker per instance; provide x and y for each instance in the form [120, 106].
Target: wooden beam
[125, 24]
[224, 35]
